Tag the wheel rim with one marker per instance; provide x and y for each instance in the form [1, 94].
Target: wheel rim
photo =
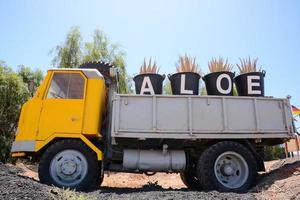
[231, 170]
[68, 168]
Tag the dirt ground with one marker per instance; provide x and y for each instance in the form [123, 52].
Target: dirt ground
[280, 181]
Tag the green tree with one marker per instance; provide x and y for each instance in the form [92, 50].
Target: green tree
[167, 89]
[69, 54]
[274, 152]
[30, 77]
[202, 91]
[13, 93]
[99, 49]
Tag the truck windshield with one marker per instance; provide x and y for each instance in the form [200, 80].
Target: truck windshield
[66, 86]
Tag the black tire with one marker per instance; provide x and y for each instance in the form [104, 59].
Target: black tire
[92, 173]
[209, 173]
[101, 173]
[191, 180]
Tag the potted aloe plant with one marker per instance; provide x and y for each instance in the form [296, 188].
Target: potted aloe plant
[220, 79]
[186, 80]
[148, 81]
[250, 82]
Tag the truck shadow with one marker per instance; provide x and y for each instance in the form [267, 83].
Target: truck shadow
[145, 188]
[263, 182]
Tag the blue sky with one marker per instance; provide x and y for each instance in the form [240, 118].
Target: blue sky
[269, 30]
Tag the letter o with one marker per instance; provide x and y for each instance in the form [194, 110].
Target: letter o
[219, 86]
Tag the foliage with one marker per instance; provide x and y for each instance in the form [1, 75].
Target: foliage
[149, 67]
[187, 64]
[219, 65]
[203, 91]
[274, 153]
[128, 85]
[69, 54]
[167, 89]
[13, 93]
[72, 53]
[248, 65]
[102, 49]
[67, 194]
[124, 78]
[235, 92]
[31, 78]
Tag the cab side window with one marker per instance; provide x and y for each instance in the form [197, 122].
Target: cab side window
[66, 86]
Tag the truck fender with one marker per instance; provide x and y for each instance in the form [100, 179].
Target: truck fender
[41, 144]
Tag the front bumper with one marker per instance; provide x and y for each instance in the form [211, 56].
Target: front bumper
[23, 146]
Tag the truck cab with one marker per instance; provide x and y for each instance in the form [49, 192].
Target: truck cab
[70, 103]
[77, 126]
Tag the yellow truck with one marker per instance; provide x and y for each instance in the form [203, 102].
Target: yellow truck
[78, 126]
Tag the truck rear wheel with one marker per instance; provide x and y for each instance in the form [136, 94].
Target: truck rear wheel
[227, 166]
[70, 163]
[191, 180]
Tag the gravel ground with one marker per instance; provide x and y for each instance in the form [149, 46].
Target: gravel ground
[282, 182]
[14, 186]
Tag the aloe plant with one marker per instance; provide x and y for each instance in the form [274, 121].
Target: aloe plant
[219, 65]
[187, 64]
[248, 65]
[149, 67]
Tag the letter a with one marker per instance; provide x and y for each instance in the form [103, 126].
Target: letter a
[144, 88]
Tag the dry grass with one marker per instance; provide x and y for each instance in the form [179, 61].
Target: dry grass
[187, 64]
[219, 65]
[149, 67]
[248, 65]
[67, 194]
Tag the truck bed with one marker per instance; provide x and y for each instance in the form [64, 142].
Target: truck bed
[197, 117]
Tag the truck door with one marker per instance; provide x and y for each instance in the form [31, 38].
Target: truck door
[63, 104]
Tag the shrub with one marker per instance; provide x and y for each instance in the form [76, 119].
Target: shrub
[13, 93]
[274, 152]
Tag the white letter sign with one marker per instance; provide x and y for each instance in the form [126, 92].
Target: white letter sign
[252, 84]
[219, 86]
[182, 86]
[144, 88]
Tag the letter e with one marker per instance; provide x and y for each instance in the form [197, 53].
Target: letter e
[252, 84]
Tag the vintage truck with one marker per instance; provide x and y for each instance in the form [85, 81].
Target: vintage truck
[78, 126]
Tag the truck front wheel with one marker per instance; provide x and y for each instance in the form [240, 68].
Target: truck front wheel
[226, 166]
[69, 163]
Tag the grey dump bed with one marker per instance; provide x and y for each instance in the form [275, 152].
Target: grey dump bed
[192, 117]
